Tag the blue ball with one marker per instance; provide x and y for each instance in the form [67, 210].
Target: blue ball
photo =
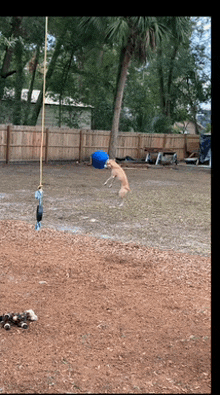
[99, 158]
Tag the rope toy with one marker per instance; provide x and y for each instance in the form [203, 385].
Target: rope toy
[18, 319]
[99, 159]
[39, 213]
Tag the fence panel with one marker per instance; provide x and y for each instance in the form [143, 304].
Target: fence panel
[25, 143]
[22, 143]
[176, 143]
[192, 143]
[128, 144]
[94, 140]
[63, 144]
[3, 142]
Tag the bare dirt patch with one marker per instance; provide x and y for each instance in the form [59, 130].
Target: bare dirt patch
[120, 308]
[168, 208]
[113, 317]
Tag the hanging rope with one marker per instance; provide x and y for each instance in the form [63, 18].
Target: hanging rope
[39, 192]
[43, 107]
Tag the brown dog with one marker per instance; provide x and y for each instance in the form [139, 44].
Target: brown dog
[118, 172]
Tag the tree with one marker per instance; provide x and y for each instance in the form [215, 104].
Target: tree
[180, 29]
[141, 98]
[18, 82]
[11, 35]
[35, 40]
[21, 35]
[102, 62]
[136, 35]
[183, 82]
[68, 76]
[51, 68]
[97, 83]
[34, 64]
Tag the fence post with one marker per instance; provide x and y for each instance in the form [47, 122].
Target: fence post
[80, 144]
[139, 146]
[164, 140]
[46, 145]
[185, 144]
[8, 144]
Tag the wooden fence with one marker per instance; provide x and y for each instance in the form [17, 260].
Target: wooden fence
[22, 143]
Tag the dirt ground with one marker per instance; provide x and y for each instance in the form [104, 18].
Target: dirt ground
[122, 294]
[167, 208]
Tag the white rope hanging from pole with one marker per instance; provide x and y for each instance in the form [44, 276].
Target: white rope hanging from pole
[39, 192]
[43, 106]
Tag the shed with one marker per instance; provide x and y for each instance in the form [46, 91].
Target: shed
[73, 113]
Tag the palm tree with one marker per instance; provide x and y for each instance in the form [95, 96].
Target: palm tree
[135, 35]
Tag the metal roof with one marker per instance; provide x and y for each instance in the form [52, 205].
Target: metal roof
[50, 98]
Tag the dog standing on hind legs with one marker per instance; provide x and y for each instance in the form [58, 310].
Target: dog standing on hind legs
[117, 172]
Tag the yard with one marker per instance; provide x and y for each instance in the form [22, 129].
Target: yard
[122, 294]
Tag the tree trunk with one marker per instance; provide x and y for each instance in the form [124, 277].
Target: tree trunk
[161, 81]
[18, 83]
[120, 65]
[66, 70]
[31, 86]
[49, 74]
[5, 72]
[194, 112]
[118, 100]
[170, 80]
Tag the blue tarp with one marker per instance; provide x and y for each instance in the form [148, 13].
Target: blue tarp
[205, 148]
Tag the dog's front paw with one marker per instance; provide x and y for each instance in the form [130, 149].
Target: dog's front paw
[110, 185]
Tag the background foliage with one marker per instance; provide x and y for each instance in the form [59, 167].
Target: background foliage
[83, 64]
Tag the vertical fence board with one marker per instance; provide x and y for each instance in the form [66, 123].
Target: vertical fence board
[8, 141]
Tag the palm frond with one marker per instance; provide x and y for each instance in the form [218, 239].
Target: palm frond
[149, 32]
[117, 29]
[179, 26]
[138, 33]
[92, 23]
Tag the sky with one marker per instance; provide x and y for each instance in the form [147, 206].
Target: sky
[205, 38]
